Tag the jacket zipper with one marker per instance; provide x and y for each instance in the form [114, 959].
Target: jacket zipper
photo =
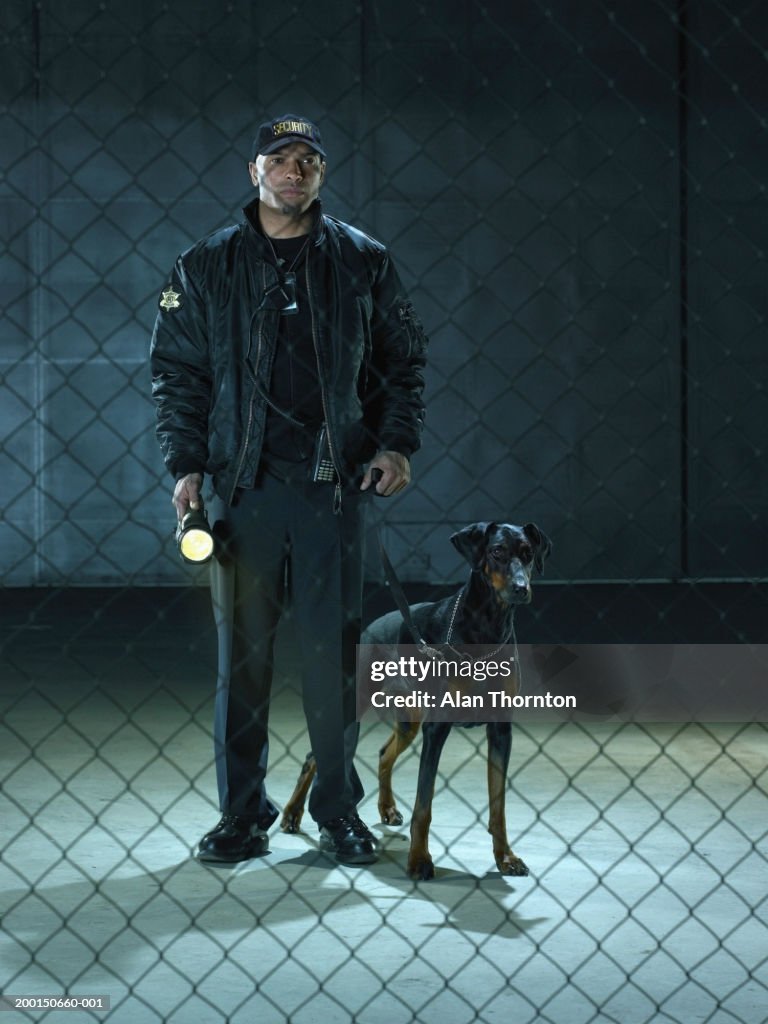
[249, 423]
[323, 397]
[243, 447]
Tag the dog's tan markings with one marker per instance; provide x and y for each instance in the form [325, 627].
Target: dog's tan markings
[402, 736]
[507, 861]
[497, 579]
[294, 809]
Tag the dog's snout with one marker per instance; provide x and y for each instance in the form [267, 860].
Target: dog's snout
[519, 584]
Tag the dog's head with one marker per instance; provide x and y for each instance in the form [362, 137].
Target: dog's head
[506, 555]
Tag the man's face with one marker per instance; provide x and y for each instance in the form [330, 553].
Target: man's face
[288, 179]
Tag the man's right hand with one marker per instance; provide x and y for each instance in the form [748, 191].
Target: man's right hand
[186, 494]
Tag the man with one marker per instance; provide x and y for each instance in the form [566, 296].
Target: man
[287, 364]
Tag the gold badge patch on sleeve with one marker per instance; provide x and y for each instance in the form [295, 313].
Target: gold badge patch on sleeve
[170, 299]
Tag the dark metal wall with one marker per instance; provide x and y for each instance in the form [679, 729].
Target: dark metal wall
[574, 192]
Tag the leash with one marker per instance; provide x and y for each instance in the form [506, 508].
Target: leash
[402, 604]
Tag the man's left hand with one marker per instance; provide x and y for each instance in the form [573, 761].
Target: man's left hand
[395, 473]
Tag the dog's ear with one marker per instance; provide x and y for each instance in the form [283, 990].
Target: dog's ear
[541, 544]
[472, 542]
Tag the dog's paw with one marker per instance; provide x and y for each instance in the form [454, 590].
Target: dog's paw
[390, 815]
[291, 823]
[509, 864]
[421, 869]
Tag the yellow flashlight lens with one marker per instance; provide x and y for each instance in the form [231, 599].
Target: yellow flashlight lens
[196, 545]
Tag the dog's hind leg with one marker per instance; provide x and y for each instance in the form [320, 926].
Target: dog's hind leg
[434, 735]
[402, 737]
[499, 748]
[294, 809]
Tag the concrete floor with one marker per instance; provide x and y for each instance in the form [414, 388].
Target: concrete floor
[647, 900]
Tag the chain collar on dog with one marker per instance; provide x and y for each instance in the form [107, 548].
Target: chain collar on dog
[483, 657]
[421, 645]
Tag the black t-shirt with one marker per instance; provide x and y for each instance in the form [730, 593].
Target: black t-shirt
[294, 385]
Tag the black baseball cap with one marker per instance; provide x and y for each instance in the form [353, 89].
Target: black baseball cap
[286, 129]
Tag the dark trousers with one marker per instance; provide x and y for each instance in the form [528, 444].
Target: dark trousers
[284, 546]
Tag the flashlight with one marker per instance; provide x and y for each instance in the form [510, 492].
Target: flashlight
[194, 538]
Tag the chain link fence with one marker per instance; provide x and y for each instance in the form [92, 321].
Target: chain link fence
[574, 194]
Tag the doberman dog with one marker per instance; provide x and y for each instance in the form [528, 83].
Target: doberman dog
[502, 559]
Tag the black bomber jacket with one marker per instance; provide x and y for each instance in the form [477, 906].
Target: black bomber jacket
[213, 342]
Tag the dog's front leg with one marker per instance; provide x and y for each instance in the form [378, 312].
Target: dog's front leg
[434, 735]
[499, 748]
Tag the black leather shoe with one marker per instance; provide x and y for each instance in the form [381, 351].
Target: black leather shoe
[232, 840]
[348, 840]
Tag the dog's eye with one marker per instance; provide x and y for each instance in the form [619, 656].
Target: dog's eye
[526, 553]
[498, 551]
